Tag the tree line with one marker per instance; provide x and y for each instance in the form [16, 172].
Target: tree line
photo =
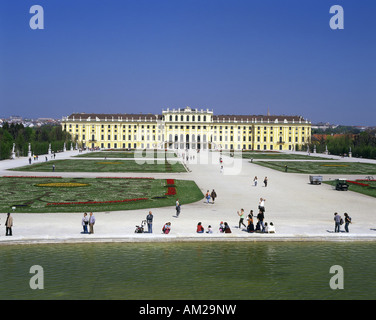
[39, 138]
[363, 144]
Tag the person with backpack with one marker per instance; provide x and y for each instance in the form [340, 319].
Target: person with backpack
[347, 221]
[207, 196]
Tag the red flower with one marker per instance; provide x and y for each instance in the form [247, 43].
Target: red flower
[170, 191]
[124, 178]
[358, 183]
[170, 181]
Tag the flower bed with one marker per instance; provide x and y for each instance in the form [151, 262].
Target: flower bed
[358, 183]
[171, 190]
[124, 178]
[94, 202]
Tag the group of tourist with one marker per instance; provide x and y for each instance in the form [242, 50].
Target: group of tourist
[88, 221]
[338, 221]
[210, 195]
[255, 179]
[261, 226]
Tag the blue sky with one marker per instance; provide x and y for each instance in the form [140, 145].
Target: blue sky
[232, 56]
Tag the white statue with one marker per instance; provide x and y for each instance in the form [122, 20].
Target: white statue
[13, 155]
[29, 152]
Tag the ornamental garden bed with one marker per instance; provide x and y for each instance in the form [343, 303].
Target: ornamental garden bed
[320, 167]
[45, 194]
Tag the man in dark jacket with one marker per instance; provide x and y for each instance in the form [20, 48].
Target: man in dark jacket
[260, 218]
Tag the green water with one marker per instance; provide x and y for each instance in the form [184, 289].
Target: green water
[204, 270]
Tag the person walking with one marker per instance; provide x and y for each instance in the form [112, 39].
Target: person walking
[337, 222]
[149, 220]
[207, 196]
[265, 181]
[347, 221]
[255, 181]
[241, 220]
[91, 223]
[213, 195]
[85, 222]
[177, 205]
[227, 228]
[8, 225]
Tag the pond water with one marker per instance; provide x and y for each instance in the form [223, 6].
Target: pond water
[189, 271]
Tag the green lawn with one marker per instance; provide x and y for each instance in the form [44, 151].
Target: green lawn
[278, 156]
[313, 167]
[161, 154]
[367, 190]
[80, 165]
[38, 195]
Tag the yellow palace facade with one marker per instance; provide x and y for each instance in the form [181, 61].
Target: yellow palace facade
[188, 129]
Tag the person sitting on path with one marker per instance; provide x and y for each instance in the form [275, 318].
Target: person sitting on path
[251, 227]
[271, 228]
[227, 228]
[200, 228]
[166, 228]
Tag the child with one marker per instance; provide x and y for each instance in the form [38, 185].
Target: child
[166, 228]
[210, 230]
[221, 227]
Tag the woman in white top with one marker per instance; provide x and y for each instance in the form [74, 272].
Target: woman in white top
[271, 228]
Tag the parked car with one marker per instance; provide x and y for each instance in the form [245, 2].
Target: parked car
[342, 185]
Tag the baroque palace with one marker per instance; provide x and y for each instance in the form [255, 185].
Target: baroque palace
[188, 129]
